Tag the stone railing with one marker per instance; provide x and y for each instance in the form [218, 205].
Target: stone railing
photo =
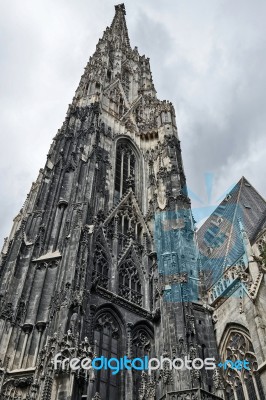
[190, 394]
[230, 276]
[130, 294]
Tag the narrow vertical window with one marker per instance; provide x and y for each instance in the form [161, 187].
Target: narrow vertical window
[124, 169]
[107, 335]
[251, 388]
[141, 347]
[126, 82]
[129, 282]
[100, 265]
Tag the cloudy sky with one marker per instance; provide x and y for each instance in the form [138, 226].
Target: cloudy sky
[207, 56]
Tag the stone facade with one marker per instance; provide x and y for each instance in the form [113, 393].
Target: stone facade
[102, 258]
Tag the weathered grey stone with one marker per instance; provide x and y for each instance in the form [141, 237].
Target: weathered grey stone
[104, 250]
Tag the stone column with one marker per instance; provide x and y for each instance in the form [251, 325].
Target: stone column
[27, 328]
[40, 326]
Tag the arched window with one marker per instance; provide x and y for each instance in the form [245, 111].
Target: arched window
[141, 346]
[129, 282]
[111, 56]
[239, 390]
[241, 384]
[126, 81]
[100, 265]
[251, 388]
[109, 75]
[124, 169]
[107, 335]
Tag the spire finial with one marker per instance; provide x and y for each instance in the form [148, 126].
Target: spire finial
[119, 26]
[120, 7]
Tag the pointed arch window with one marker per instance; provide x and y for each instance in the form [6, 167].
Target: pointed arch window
[107, 335]
[111, 56]
[125, 169]
[142, 342]
[126, 81]
[129, 282]
[244, 384]
[100, 265]
[109, 75]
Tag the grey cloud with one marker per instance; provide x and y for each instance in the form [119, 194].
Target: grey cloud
[207, 57]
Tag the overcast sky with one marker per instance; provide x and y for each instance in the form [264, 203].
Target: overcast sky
[207, 56]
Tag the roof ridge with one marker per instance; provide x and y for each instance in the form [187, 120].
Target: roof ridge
[244, 178]
[220, 204]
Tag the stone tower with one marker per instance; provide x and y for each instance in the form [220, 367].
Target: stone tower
[102, 257]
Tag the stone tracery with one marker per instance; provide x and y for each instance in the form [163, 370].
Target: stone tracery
[129, 282]
[100, 265]
[244, 383]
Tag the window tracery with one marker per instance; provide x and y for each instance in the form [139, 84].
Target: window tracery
[141, 347]
[125, 169]
[126, 81]
[243, 384]
[100, 265]
[129, 282]
[107, 335]
[127, 225]
[141, 343]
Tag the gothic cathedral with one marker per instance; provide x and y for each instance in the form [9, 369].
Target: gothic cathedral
[103, 260]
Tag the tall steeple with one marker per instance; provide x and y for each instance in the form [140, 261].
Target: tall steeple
[118, 27]
[102, 258]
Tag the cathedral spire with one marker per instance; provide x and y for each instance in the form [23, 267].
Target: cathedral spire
[119, 26]
[99, 250]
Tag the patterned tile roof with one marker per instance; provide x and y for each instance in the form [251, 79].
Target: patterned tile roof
[220, 238]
